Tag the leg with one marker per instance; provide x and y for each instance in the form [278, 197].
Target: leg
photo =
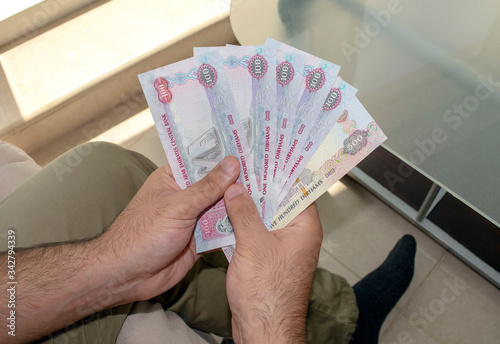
[77, 197]
[81, 193]
[380, 290]
[332, 313]
[149, 323]
[200, 298]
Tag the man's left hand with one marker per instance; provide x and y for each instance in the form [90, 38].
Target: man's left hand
[151, 242]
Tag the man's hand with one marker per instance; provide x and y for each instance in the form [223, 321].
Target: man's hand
[146, 251]
[152, 240]
[271, 273]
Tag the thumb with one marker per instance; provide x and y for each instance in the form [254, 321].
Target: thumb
[210, 189]
[243, 214]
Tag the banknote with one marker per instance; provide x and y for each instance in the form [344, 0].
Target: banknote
[318, 85]
[198, 124]
[229, 252]
[336, 105]
[294, 124]
[250, 71]
[289, 70]
[354, 136]
[317, 79]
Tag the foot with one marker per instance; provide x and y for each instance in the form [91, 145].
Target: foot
[379, 291]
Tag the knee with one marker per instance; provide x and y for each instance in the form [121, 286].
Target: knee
[102, 159]
[100, 153]
[100, 150]
[109, 158]
[90, 155]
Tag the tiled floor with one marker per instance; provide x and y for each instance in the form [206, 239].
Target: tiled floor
[446, 302]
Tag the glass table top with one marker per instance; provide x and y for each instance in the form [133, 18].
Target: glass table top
[427, 71]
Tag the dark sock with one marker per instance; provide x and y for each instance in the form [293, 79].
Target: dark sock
[380, 290]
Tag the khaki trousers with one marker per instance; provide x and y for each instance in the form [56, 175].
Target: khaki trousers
[80, 194]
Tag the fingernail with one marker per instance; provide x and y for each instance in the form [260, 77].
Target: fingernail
[228, 166]
[233, 191]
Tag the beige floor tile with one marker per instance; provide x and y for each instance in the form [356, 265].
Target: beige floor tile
[361, 231]
[456, 305]
[389, 321]
[327, 262]
[401, 332]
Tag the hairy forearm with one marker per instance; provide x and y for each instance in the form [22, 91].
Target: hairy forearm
[283, 329]
[55, 286]
[273, 313]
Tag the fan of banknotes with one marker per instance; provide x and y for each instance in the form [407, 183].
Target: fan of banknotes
[295, 126]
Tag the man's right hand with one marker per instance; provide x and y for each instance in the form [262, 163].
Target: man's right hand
[271, 273]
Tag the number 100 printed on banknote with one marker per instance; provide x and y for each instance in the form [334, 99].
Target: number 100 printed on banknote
[198, 124]
[250, 70]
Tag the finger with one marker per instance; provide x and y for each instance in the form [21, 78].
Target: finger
[243, 214]
[305, 228]
[167, 170]
[308, 219]
[210, 189]
[165, 178]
